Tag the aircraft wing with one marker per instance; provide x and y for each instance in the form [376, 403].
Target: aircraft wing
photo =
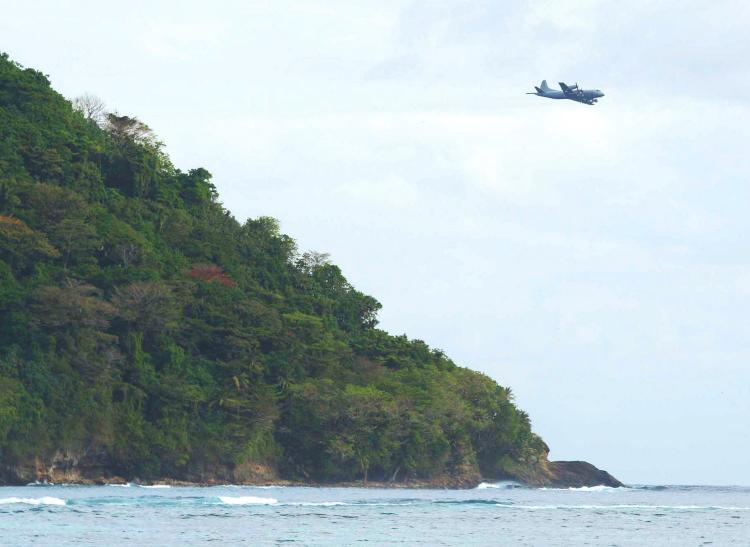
[569, 89]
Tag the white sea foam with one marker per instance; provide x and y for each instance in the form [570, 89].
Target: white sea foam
[247, 500]
[44, 500]
[597, 488]
[502, 485]
[126, 485]
[155, 486]
[318, 503]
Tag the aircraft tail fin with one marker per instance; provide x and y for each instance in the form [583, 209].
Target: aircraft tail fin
[544, 86]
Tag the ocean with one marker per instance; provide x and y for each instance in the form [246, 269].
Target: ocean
[492, 514]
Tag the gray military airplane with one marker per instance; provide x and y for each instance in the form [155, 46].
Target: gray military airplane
[572, 92]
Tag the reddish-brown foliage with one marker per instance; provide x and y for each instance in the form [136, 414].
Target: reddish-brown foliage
[211, 273]
[16, 238]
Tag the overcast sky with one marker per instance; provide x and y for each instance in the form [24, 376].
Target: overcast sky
[593, 258]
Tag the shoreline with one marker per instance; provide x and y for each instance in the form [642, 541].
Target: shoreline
[167, 483]
[412, 485]
[555, 474]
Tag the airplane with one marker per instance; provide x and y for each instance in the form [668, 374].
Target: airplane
[572, 92]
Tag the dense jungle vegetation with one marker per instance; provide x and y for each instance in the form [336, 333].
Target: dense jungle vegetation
[142, 324]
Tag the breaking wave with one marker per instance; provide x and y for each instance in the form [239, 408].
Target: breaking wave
[507, 485]
[273, 502]
[247, 500]
[597, 488]
[319, 503]
[44, 500]
[503, 485]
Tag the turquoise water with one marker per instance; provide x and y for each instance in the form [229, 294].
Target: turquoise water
[489, 515]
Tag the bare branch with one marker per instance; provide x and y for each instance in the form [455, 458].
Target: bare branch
[92, 107]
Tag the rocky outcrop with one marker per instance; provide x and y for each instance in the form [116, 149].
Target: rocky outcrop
[576, 474]
[562, 474]
[94, 466]
[84, 467]
[537, 470]
[91, 466]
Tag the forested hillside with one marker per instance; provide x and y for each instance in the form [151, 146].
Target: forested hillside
[146, 333]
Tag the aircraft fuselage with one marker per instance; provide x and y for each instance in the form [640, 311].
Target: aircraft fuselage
[573, 93]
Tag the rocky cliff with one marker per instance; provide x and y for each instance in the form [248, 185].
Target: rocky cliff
[93, 467]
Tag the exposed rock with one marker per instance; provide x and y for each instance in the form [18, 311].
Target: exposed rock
[84, 467]
[562, 474]
[91, 467]
[539, 471]
[576, 474]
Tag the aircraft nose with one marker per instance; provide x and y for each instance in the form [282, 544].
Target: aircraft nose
[601, 94]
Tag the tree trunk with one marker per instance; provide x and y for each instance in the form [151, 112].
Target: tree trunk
[364, 467]
[393, 477]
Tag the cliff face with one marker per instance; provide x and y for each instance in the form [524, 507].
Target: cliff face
[575, 474]
[541, 472]
[95, 467]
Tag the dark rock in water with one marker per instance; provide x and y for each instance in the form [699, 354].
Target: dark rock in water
[576, 474]
[541, 472]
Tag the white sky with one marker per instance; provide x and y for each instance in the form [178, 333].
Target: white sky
[592, 258]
